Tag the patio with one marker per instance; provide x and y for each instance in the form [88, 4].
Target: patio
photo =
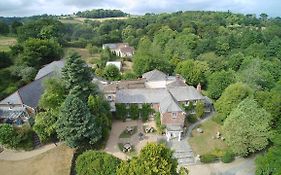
[137, 140]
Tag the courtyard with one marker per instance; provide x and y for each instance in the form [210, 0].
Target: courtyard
[118, 127]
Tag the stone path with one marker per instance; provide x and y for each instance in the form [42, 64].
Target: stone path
[182, 149]
[240, 166]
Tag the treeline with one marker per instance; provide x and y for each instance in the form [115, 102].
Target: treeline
[101, 13]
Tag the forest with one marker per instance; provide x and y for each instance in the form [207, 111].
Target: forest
[235, 57]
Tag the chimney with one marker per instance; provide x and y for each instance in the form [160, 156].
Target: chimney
[199, 88]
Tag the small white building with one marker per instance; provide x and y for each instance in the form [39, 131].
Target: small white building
[118, 64]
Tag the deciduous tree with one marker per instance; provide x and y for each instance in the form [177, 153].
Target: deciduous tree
[247, 128]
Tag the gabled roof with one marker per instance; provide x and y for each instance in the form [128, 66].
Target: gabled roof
[127, 50]
[115, 45]
[154, 75]
[176, 83]
[169, 104]
[53, 66]
[29, 94]
[184, 93]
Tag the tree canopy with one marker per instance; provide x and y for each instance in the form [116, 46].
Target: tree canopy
[247, 128]
[78, 77]
[230, 98]
[153, 159]
[98, 163]
[75, 125]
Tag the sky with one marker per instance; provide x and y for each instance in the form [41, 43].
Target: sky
[137, 7]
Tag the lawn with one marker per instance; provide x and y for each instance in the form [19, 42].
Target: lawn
[56, 161]
[85, 55]
[203, 143]
[6, 42]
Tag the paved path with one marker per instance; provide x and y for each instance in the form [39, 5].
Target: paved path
[21, 155]
[182, 149]
[240, 166]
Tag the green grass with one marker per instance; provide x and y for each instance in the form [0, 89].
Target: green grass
[6, 42]
[203, 143]
[85, 55]
[125, 134]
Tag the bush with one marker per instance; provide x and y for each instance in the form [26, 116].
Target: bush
[191, 118]
[25, 134]
[17, 138]
[219, 118]
[183, 171]
[228, 157]
[8, 136]
[160, 127]
[134, 111]
[95, 162]
[208, 158]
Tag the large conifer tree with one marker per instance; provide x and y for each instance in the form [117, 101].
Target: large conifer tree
[76, 126]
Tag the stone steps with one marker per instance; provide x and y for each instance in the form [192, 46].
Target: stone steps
[36, 141]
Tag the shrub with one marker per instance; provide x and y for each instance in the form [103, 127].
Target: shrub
[134, 111]
[145, 111]
[228, 157]
[160, 127]
[208, 158]
[18, 138]
[191, 118]
[8, 136]
[183, 171]
[121, 111]
[95, 162]
[25, 135]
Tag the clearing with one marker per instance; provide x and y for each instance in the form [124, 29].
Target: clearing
[6, 42]
[203, 143]
[85, 55]
[56, 161]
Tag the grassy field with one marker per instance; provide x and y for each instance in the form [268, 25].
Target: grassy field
[203, 143]
[78, 20]
[90, 59]
[5, 42]
[53, 162]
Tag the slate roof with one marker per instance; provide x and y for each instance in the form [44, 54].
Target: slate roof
[184, 93]
[141, 95]
[53, 66]
[115, 45]
[169, 104]
[176, 83]
[29, 94]
[127, 50]
[155, 75]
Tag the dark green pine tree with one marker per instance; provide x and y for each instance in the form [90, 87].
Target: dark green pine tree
[76, 126]
[78, 76]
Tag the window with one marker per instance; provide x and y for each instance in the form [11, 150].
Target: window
[174, 115]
